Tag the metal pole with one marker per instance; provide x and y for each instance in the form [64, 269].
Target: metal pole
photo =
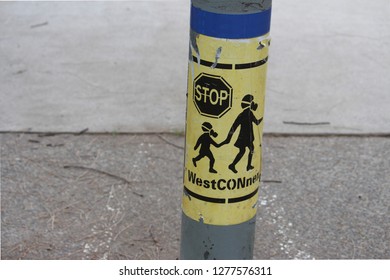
[225, 107]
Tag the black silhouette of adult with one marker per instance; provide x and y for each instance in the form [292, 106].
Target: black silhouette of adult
[245, 121]
[205, 141]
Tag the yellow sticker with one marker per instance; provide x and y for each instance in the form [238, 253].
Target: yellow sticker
[225, 107]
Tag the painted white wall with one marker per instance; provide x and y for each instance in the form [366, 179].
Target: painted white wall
[122, 66]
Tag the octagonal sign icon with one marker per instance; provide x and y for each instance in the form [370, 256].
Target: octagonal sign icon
[212, 95]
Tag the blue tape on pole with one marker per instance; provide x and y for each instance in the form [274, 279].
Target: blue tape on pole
[230, 26]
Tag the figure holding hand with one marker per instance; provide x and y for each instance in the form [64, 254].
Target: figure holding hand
[245, 121]
[205, 141]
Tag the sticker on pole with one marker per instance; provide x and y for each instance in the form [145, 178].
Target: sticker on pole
[225, 108]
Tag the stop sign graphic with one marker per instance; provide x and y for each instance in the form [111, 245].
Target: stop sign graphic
[212, 95]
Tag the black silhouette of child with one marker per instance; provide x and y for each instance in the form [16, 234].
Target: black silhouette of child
[245, 137]
[205, 141]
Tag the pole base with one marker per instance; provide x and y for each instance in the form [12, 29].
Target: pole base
[200, 241]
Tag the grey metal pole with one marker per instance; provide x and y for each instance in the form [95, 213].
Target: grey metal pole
[225, 107]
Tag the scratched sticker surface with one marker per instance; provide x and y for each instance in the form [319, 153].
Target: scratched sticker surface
[225, 107]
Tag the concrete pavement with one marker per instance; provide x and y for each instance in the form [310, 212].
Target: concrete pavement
[119, 197]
